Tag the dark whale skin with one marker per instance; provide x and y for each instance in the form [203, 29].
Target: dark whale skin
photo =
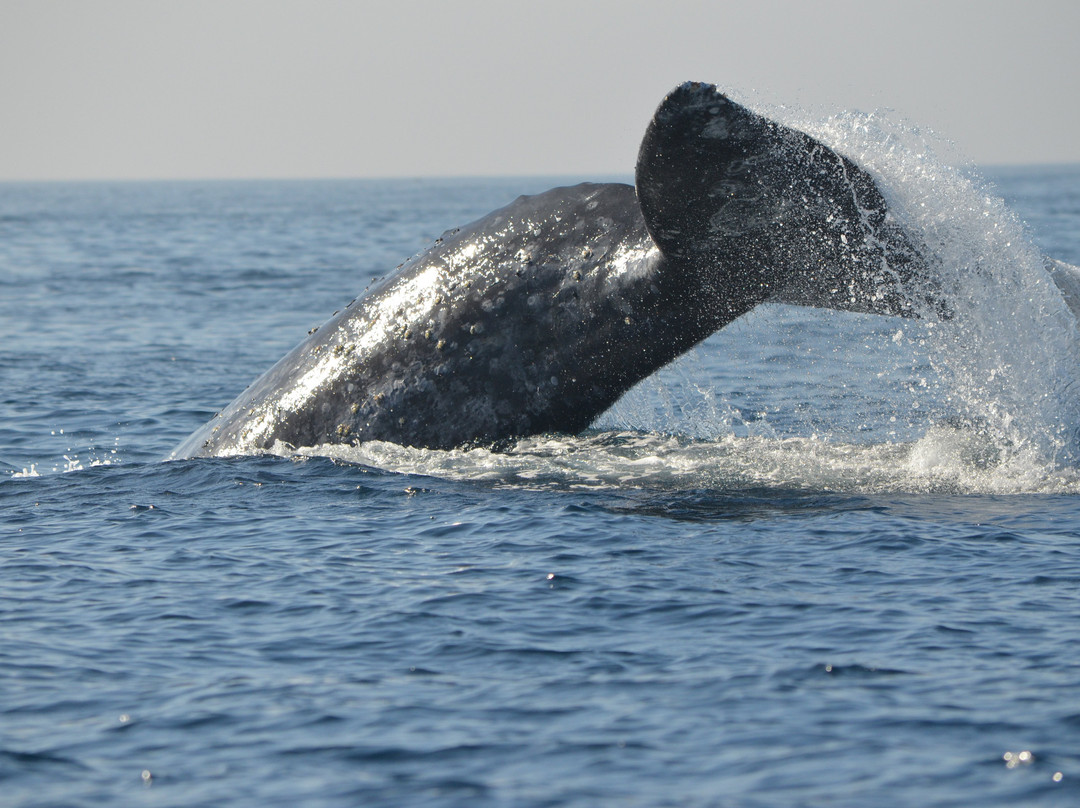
[539, 316]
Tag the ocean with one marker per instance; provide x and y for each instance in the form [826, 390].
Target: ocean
[827, 559]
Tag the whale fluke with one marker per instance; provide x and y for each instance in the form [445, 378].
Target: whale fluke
[779, 215]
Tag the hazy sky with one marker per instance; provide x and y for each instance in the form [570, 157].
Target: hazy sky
[267, 88]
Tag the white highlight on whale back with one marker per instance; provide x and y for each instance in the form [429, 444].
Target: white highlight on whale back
[408, 302]
[405, 302]
[630, 261]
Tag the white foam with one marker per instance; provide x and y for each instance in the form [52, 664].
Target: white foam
[946, 460]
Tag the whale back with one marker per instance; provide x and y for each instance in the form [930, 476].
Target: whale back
[770, 212]
[534, 318]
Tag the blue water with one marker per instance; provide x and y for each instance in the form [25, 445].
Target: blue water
[826, 560]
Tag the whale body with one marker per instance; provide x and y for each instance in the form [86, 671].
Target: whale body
[539, 316]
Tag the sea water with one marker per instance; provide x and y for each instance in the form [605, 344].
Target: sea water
[825, 560]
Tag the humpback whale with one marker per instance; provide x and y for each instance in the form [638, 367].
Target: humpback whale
[539, 316]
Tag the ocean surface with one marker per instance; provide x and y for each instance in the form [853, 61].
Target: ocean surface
[827, 559]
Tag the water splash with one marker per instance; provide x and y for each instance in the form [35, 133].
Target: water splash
[1010, 353]
[72, 458]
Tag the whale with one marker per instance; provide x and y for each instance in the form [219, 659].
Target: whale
[537, 317]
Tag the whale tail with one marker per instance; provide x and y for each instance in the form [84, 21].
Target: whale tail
[774, 213]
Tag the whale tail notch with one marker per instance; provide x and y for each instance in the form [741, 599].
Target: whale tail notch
[781, 216]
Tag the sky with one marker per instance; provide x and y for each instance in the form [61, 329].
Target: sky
[130, 89]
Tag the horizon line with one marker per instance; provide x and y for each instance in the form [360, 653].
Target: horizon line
[607, 176]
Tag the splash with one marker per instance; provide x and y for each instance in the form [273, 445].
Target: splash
[73, 458]
[1009, 355]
